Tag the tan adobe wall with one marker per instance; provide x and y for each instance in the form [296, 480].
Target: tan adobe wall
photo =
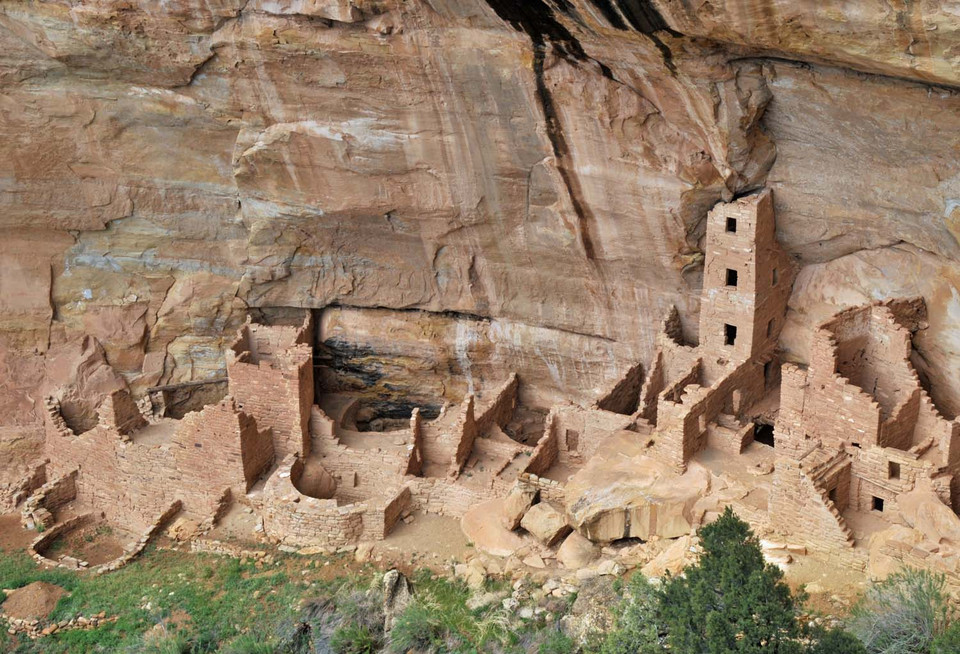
[550, 490]
[40, 508]
[465, 434]
[443, 496]
[499, 411]
[545, 453]
[873, 476]
[296, 519]
[582, 431]
[797, 507]
[651, 389]
[130, 481]
[415, 461]
[220, 447]
[120, 412]
[13, 493]
[271, 377]
[752, 296]
[625, 395]
[682, 425]
[792, 439]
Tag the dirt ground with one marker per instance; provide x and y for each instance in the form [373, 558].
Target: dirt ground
[32, 602]
[94, 544]
[12, 535]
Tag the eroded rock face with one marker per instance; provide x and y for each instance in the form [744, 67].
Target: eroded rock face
[622, 493]
[534, 179]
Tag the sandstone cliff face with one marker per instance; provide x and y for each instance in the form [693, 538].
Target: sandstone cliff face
[533, 174]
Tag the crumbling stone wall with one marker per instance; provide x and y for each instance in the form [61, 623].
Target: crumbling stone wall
[500, 409]
[465, 434]
[128, 480]
[271, 377]
[859, 408]
[625, 395]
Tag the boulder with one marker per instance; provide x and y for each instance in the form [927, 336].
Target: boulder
[545, 523]
[622, 493]
[516, 505]
[397, 594]
[576, 552]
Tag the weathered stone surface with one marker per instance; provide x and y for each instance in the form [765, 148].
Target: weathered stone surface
[239, 124]
[622, 493]
[576, 552]
[545, 523]
[904, 40]
[515, 505]
[483, 526]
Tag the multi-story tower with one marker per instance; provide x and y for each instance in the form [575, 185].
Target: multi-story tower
[745, 280]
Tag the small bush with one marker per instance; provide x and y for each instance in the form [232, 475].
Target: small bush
[557, 642]
[354, 639]
[251, 644]
[837, 641]
[903, 614]
[949, 641]
[418, 628]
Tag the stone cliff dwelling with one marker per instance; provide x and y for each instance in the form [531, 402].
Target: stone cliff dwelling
[829, 454]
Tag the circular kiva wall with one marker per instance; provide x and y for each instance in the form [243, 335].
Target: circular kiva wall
[312, 479]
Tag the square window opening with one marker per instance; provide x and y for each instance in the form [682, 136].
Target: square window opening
[878, 504]
[729, 335]
[732, 225]
[893, 470]
[731, 277]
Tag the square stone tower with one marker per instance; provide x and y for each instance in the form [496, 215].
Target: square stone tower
[746, 280]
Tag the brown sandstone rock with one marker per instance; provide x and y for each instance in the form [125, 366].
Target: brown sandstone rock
[515, 506]
[545, 523]
[576, 552]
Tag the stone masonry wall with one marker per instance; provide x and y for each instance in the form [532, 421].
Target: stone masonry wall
[465, 434]
[271, 376]
[500, 410]
[130, 481]
[625, 395]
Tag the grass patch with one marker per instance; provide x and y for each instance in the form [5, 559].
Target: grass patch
[221, 598]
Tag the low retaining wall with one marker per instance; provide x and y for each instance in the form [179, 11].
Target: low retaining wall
[42, 542]
[12, 494]
[38, 510]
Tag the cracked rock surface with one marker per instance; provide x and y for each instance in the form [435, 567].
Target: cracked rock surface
[533, 175]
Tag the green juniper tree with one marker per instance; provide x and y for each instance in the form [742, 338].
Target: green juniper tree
[729, 602]
[732, 602]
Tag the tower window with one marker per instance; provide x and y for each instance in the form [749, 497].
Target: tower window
[732, 225]
[878, 504]
[731, 277]
[729, 334]
[774, 277]
[893, 470]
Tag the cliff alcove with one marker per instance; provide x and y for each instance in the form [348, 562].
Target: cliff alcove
[343, 263]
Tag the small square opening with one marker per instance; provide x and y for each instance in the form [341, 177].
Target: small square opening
[775, 277]
[893, 470]
[878, 504]
[732, 225]
[731, 277]
[729, 335]
[833, 495]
